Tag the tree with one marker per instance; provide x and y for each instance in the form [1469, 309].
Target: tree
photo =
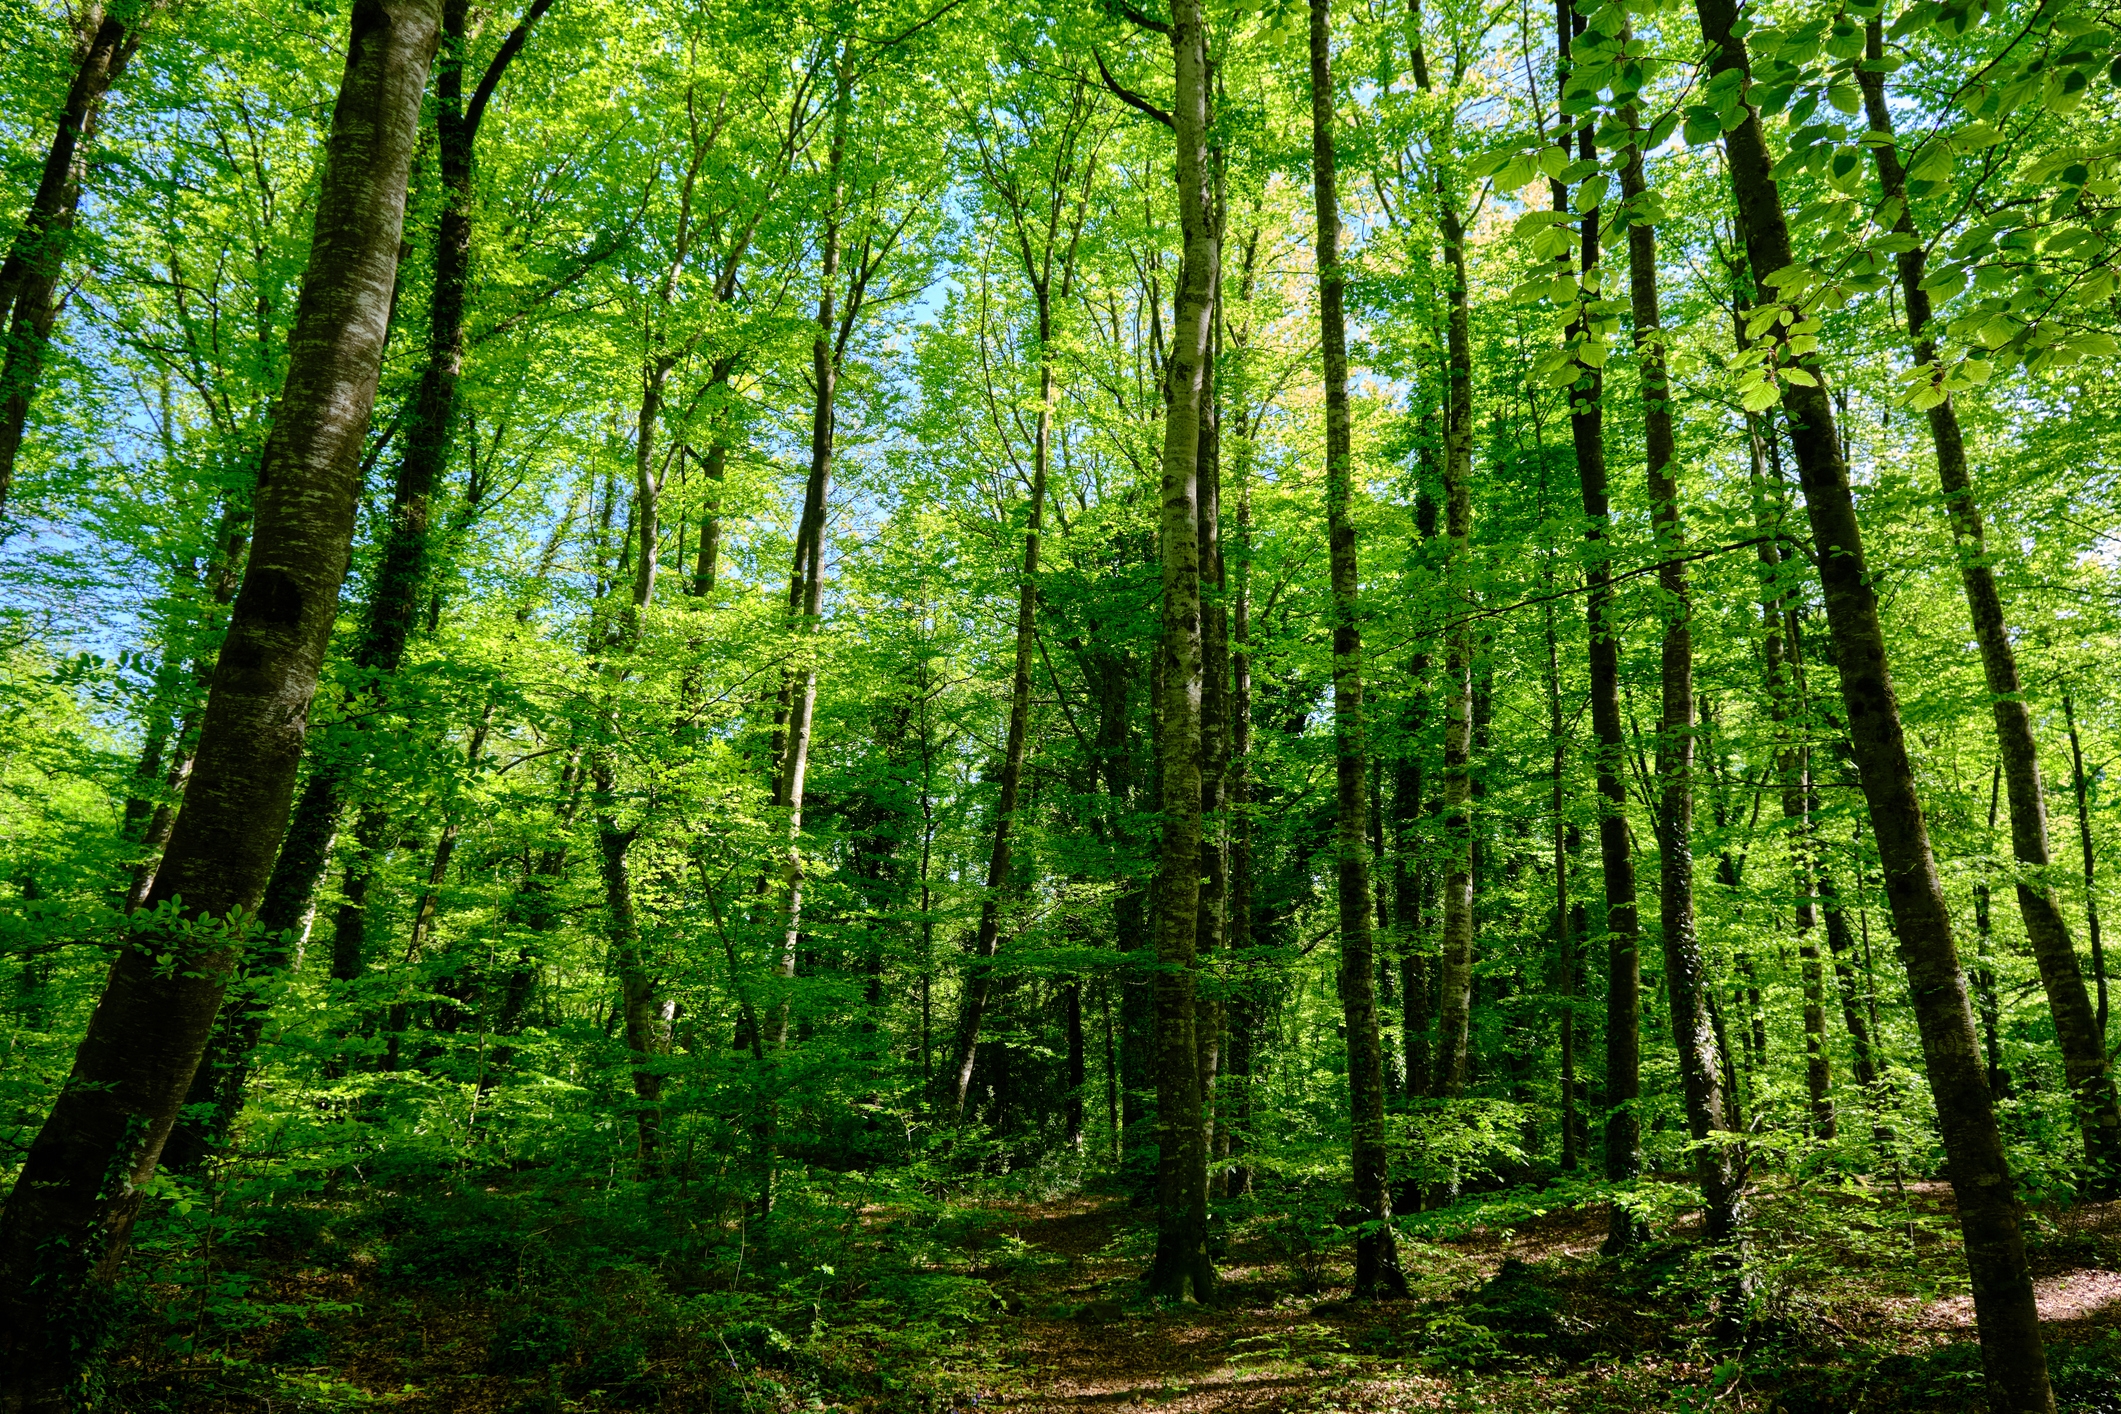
[1988, 1208]
[66, 1222]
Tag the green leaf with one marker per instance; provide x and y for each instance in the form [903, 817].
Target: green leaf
[1932, 164]
[1804, 377]
[1516, 173]
[1552, 160]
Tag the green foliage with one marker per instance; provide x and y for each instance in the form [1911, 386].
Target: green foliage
[748, 1187]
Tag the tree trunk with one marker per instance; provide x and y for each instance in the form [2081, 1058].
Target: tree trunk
[104, 42]
[1376, 1252]
[646, 1013]
[1244, 984]
[1984, 973]
[1455, 974]
[1623, 1128]
[805, 594]
[1988, 1205]
[2091, 889]
[707, 568]
[1694, 1031]
[66, 1224]
[978, 975]
[305, 846]
[1564, 938]
[1212, 916]
[429, 905]
[2079, 1032]
[1181, 1265]
[1792, 765]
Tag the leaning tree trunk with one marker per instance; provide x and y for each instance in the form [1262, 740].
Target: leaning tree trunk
[1988, 1204]
[1694, 1035]
[305, 847]
[1376, 1252]
[66, 1224]
[1181, 1266]
[2080, 1034]
[30, 276]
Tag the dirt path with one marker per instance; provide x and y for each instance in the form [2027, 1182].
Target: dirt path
[1085, 1339]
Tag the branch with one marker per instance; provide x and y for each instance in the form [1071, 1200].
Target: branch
[509, 48]
[1128, 12]
[1132, 100]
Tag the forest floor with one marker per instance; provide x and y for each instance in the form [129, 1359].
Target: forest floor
[1529, 1317]
[489, 1302]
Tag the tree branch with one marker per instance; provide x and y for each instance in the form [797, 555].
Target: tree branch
[1131, 99]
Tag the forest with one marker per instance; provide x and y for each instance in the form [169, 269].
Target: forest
[756, 706]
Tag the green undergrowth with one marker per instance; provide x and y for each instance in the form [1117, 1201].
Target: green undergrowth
[533, 1293]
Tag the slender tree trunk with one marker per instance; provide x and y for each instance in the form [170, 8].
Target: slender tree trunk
[1564, 938]
[1455, 974]
[1984, 973]
[1213, 909]
[979, 973]
[1454, 992]
[1695, 1033]
[105, 39]
[645, 1012]
[2079, 1032]
[707, 568]
[1792, 768]
[2081, 784]
[1623, 1128]
[66, 1224]
[806, 589]
[1417, 980]
[1234, 1133]
[1181, 1264]
[1988, 1205]
[429, 904]
[1376, 1252]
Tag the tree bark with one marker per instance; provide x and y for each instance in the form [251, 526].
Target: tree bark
[1564, 937]
[1984, 974]
[1454, 1006]
[1376, 1250]
[1988, 1205]
[105, 41]
[1695, 1034]
[393, 602]
[66, 1224]
[1623, 1128]
[1181, 1266]
[1792, 761]
[1244, 984]
[2091, 881]
[2079, 1032]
